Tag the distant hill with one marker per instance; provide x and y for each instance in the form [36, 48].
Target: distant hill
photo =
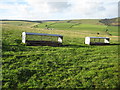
[109, 22]
[21, 20]
[85, 21]
[37, 21]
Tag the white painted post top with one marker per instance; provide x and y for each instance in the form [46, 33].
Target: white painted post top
[23, 37]
[99, 37]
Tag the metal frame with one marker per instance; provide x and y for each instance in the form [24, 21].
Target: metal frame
[88, 40]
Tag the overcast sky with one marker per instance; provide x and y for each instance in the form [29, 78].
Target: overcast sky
[58, 9]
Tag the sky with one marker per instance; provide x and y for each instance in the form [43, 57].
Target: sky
[58, 9]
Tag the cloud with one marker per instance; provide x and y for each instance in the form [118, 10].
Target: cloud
[119, 8]
[58, 6]
[58, 9]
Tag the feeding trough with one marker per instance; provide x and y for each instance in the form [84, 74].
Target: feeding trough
[42, 39]
[97, 40]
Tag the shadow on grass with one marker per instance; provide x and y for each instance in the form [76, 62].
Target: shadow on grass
[74, 46]
[114, 44]
[50, 43]
[54, 44]
[104, 44]
[19, 47]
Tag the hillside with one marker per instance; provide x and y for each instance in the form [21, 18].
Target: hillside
[84, 21]
[111, 22]
[72, 65]
[85, 25]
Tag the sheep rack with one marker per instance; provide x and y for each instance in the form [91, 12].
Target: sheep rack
[97, 40]
[36, 39]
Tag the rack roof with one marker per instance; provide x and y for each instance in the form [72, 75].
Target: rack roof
[42, 34]
[99, 37]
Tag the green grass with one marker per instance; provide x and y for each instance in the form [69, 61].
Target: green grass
[77, 26]
[88, 21]
[18, 23]
[113, 30]
[73, 65]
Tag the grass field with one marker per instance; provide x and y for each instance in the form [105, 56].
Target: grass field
[72, 65]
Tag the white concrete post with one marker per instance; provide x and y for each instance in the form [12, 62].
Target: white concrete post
[23, 37]
[87, 40]
[106, 40]
[60, 39]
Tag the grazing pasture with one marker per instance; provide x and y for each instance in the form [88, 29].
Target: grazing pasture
[72, 65]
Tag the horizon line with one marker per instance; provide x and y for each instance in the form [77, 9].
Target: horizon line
[53, 19]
